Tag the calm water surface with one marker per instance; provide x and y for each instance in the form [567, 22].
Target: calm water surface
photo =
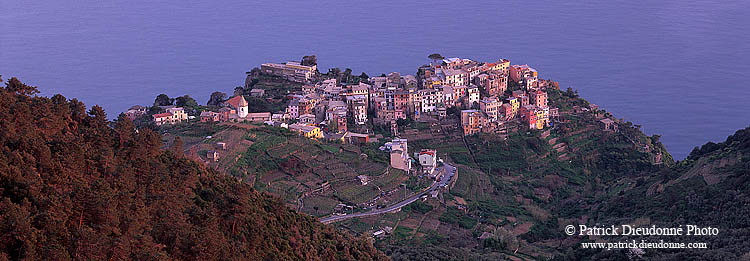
[678, 68]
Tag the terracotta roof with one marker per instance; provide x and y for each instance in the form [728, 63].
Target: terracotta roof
[430, 152]
[237, 101]
[162, 115]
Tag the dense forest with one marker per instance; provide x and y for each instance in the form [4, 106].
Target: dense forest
[75, 185]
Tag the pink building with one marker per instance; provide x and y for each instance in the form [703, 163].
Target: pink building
[538, 98]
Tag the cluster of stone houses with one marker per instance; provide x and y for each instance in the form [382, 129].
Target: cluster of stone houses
[399, 157]
[236, 110]
[476, 87]
[456, 82]
[329, 109]
[173, 115]
[170, 115]
[135, 112]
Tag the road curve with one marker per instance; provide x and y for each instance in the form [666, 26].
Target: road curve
[444, 179]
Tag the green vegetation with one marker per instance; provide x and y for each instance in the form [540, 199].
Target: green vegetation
[418, 206]
[197, 129]
[457, 217]
[401, 233]
[284, 164]
[686, 199]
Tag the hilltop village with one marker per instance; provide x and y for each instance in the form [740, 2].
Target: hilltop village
[456, 93]
[472, 151]
[327, 108]
[447, 98]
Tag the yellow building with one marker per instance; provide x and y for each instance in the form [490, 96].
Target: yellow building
[515, 104]
[308, 131]
[501, 65]
[313, 133]
[433, 81]
[540, 119]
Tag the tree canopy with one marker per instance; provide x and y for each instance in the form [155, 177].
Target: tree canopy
[216, 98]
[163, 100]
[435, 56]
[186, 101]
[76, 186]
[309, 60]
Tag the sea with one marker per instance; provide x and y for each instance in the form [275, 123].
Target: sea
[677, 68]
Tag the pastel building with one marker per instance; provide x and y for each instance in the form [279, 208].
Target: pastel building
[507, 111]
[528, 115]
[400, 155]
[239, 104]
[473, 95]
[428, 160]
[534, 117]
[455, 77]
[515, 105]
[538, 98]
[308, 131]
[524, 75]
[172, 116]
[471, 121]
[291, 70]
[496, 83]
[524, 100]
[491, 107]
[501, 65]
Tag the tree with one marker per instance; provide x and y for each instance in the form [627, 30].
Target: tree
[177, 146]
[347, 74]
[570, 93]
[309, 60]
[216, 98]
[186, 101]
[163, 100]
[97, 112]
[121, 196]
[435, 57]
[14, 85]
[335, 73]
[239, 91]
[252, 77]
[364, 76]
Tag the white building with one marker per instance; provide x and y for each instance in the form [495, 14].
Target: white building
[239, 104]
[428, 160]
[455, 77]
[430, 99]
[491, 107]
[473, 94]
[400, 155]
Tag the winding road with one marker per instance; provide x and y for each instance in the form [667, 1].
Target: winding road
[448, 173]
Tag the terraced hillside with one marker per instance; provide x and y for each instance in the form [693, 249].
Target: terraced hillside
[311, 176]
[515, 191]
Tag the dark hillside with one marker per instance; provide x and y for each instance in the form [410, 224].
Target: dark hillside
[73, 185]
[709, 188]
